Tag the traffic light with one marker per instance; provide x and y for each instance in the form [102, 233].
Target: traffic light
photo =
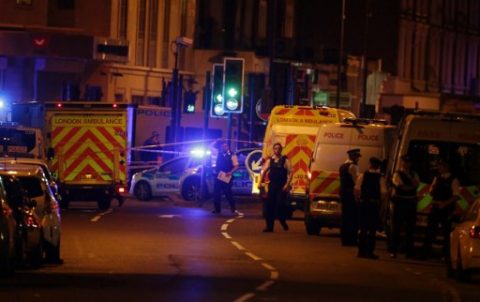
[216, 101]
[233, 85]
[189, 100]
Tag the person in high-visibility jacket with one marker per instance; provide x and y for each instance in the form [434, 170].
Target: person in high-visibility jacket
[445, 190]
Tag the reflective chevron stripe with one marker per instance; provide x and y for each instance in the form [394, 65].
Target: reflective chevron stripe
[298, 149]
[467, 193]
[325, 183]
[89, 149]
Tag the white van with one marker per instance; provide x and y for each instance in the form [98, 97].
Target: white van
[427, 137]
[372, 137]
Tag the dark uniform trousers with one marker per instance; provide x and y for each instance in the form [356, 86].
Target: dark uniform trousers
[219, 187]
[441, 193]
[224, 164]
[275, 206]
[404, 215]
[368, 213]
[349, 230]
[368, 224]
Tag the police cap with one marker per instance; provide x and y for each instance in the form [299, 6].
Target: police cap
[375, 162]
[354, 152]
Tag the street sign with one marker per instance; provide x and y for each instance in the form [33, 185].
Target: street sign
[253, 162]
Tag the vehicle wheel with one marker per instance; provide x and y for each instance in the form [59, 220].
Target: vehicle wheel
[191, 190]
[64, 203]
[104, 203]
[143, 191]
[311, 226]
[289, 212]
[7, 255]
[52, 252]
[461, 274]
[449, 269]
[35, 250]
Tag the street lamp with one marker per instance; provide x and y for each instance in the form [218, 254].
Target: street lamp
[180, 42]
[340, 56]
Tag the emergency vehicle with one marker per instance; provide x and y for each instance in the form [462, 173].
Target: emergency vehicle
[427, 137]
[88, 145]
[295, 128]
[372, 137]
[18, 141]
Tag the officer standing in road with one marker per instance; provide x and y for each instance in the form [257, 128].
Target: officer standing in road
[348, 175]
[370, 190]
[405, 183]
[226, 164]
[279, 175]
[445, 191]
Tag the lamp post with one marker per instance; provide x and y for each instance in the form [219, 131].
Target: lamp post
[340, 55]
[180, 42]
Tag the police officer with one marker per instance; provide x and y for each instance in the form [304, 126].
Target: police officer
[226, 164]
[348, 176]
[370, 190]
[445, 191]
[279, 175]
[405, 183]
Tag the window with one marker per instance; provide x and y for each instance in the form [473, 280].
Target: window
[140, 56]
[33, 186]
[175, 167]
[24, 2]
[123, 19]
[153, 28]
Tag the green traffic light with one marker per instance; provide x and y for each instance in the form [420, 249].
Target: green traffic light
[232, 92]
[219, 98]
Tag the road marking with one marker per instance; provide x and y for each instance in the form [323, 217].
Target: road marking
[268, 266]
[97, 218]
[237, 245]
[253, 256]
[168, 216]
[274, 275]
[245, 297]
[265, 285]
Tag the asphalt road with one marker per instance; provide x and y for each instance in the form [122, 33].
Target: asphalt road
[172, 250]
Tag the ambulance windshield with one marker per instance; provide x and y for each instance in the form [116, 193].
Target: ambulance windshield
[463, 159]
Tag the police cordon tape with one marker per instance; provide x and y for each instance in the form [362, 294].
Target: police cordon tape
[207, 143]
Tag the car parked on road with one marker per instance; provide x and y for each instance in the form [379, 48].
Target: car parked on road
[44, 206]
[7, 234]
[35, 163]
[183, 175]
[465, 245]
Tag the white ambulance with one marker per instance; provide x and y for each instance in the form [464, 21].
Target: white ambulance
[372, 137]
[428, 137]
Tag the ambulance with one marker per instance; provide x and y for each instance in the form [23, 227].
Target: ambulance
[89, 145]
[427, 137]
[295, 128]
[372, 137]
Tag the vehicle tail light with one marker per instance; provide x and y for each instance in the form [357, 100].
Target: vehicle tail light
[475, 232]
[121, 189]
[31, 222]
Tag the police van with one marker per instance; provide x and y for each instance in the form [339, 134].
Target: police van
[372, 137]
[430, 137]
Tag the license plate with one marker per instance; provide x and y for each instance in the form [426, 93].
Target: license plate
[327, 206]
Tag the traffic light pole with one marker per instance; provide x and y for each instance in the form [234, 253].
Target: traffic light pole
[175, 120]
